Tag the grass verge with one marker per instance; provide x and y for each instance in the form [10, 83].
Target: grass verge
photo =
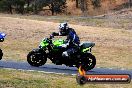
[24, 79]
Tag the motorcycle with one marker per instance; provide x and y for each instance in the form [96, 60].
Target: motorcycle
[52, 50]
[2, 37]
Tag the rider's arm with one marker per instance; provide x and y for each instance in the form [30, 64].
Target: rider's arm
[72, 38]
[54, 34]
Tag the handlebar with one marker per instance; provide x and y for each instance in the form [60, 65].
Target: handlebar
[49, 40]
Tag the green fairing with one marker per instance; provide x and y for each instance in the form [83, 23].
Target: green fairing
[58, 42]
[43, 43]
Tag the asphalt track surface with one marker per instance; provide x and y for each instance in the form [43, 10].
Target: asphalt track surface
[59, 69]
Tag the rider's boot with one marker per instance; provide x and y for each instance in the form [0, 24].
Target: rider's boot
[66, 58]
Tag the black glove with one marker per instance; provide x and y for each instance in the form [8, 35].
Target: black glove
[51, 36]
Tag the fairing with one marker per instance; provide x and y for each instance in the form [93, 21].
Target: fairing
[58, 43]
[44, 43]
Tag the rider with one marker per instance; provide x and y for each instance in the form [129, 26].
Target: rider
[72, 41]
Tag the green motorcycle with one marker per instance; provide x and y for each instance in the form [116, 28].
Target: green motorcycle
[49, 49]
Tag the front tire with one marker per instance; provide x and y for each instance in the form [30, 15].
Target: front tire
[36, 58]
[1, 54]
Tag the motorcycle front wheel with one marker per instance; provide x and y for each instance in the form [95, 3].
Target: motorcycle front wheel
[36, 58]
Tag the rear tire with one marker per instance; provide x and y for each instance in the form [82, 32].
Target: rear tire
[1, 54]
[88, 61]
[36, 58]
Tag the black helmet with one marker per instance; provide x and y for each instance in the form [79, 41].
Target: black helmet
[63, 27]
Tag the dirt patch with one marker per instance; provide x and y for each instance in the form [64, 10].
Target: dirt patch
[113, 46]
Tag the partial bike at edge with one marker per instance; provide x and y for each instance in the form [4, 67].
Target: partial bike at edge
[2, 37]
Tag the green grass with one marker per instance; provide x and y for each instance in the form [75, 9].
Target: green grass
[24, 79]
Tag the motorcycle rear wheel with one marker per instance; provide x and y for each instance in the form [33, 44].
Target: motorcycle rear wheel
[88, 61]
[36, 58]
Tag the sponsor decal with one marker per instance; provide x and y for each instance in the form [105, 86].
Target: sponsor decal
[83, 78]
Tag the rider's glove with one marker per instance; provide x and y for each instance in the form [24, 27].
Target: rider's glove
[51, 36]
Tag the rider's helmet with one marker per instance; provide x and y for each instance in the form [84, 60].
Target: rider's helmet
[63, 28]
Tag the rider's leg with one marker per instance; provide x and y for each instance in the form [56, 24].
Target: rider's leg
[69, 52]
